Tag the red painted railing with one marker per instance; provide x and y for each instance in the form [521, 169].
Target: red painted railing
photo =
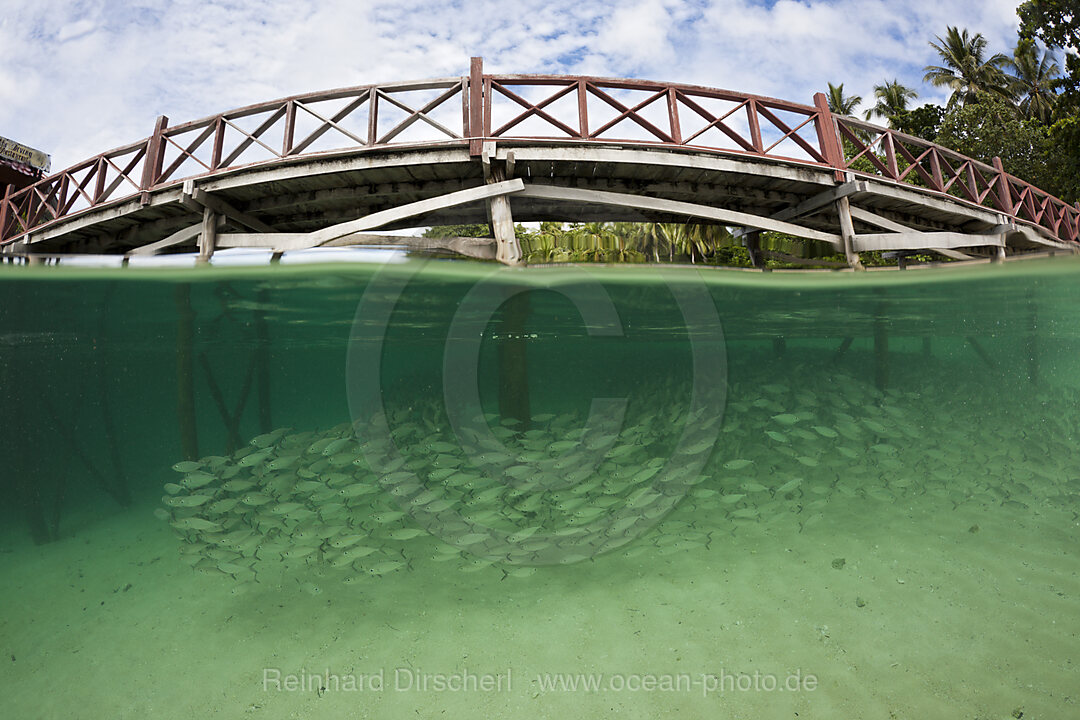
[505, 108]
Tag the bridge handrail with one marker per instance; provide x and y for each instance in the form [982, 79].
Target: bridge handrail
[474, 108]
[897, 156]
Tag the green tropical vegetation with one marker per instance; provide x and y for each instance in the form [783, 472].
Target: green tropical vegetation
[892, 101]
[1034, 76]
[1057, 24]
[966, 69]
[1022, 107]
[840, 103]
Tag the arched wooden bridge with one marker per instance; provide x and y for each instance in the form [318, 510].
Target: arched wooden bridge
[329, 168]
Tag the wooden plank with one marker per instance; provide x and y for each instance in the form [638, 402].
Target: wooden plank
[479, 248]
[177, 238]
[924, 241]
[886, 224]
[1032, 235]
[386, 217]
[731, 217]
[275, 241]
[871, 219]
[953, 254]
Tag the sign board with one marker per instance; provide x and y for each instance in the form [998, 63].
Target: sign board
[13, 151]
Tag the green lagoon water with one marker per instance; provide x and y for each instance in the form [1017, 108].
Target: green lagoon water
[437, 488]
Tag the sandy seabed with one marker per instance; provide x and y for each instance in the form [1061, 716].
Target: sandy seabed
[904, 609]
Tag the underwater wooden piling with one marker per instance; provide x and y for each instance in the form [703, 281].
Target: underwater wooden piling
[881, 349]
[71, 440]
[513, 361]
[1033, 340]
[38, 496]
[231, 420]
[118, 488]
[845, 344]
[262, 361]
[981, 352]
[185, 372]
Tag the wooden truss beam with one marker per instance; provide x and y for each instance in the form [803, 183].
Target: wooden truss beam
[924, 241]
[886, 224]
[479, 248]
[329, 237]
[731, 217]
[822, 199]
[180, 237]
[386, 217]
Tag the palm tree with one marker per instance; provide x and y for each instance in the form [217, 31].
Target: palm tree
[1035, 73]
[892, 99]
[965, 68]
[838, 103]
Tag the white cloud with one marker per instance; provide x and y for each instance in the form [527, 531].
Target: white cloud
[81, 76]
[75, 30]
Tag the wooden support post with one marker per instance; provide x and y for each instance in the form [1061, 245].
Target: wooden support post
[513, 364]
[847, 233]
[185, 372]
[1033, 340]
[4, 210]
[508, 250]
[845, 344]
[230, 420]
[152, 160]
[981, 352]
[208, 235]
[881, 349]
[476, 106]
[289, 132]
[262, 360]
[752, 241]
[117, 485]
[829, 137]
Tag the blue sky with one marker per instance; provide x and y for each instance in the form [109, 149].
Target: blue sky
[78, 77]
